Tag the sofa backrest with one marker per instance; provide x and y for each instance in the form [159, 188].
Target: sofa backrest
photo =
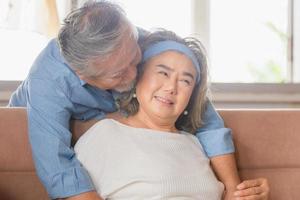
[18, 179]
[267, 144]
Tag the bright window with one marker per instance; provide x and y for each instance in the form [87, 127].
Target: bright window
[249, 40]
[25, 28]
[173, 15]
[18, 50]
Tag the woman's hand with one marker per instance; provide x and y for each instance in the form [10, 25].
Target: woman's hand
[254, 189]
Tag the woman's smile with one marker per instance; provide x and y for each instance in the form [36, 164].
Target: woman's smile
[164, 100]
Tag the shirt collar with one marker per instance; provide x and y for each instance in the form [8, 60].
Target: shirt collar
[82, 82]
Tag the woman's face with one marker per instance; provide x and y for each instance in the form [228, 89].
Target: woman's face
[166, 85]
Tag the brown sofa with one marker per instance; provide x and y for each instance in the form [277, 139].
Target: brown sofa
[267, 143]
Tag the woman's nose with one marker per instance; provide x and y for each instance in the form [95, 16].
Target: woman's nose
[171, 86]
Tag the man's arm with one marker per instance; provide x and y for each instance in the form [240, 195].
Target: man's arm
[225, 169]
[86, 196]
[49, 111]
[218, 145]
[214, 137]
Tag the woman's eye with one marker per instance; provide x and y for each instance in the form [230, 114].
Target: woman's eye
[187, 82]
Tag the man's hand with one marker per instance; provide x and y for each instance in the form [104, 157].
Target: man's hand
[85, 196]
[255, 189]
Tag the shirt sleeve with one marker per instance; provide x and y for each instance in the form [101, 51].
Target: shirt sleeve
[49, 112]
[214, 137]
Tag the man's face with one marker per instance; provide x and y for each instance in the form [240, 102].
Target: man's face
[117, 71]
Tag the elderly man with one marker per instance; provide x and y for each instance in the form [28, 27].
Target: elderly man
[76, 77]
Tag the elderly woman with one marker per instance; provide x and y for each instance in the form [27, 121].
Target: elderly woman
[150, 152]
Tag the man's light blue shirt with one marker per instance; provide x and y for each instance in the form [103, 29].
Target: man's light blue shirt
[54, 94]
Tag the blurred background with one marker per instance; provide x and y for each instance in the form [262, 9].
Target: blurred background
[253, 45]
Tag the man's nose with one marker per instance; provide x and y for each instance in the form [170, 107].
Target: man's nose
[131, 73]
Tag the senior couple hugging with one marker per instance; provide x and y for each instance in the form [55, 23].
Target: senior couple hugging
[154, 133]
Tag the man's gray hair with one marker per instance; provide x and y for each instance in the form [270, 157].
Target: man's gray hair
[93, 31]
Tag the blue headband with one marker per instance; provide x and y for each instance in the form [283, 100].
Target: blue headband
[168, 45]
